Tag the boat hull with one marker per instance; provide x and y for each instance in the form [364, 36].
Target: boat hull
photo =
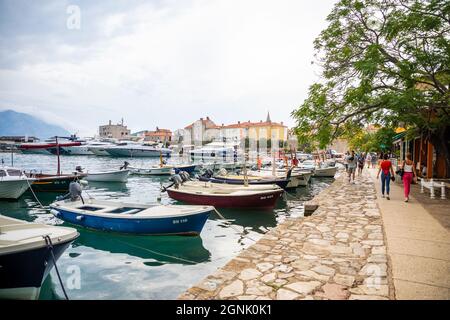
[181, 225]
[22, 273]
[54, 183]
[325, 172]
[189, 169]
[77, 151]
[282, 183]
[266, 200]
[114, 176]
[157, 171]
[137, 153]
[13, 189]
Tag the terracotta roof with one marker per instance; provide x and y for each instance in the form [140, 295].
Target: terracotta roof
[248, 124]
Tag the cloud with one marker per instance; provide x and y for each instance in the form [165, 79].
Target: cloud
[161, 63]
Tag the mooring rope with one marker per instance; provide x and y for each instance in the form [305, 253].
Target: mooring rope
[35, 196]
[48, 242]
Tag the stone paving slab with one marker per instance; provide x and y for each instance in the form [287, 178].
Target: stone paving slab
[337, 253]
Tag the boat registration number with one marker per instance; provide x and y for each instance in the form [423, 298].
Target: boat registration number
[267, 197]
[179, 221]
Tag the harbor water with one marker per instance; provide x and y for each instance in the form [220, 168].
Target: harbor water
[102, 265]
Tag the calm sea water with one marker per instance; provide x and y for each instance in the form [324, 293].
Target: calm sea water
[101, 265]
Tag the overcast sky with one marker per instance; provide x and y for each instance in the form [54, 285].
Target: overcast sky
[157, 63]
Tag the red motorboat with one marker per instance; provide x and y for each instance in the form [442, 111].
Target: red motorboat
[226, 196]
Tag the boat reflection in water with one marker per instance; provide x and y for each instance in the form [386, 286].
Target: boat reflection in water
[155, 250]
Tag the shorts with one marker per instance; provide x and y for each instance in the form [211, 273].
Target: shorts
[351, 169]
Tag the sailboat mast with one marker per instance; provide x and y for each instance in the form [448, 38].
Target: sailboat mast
[57, 154]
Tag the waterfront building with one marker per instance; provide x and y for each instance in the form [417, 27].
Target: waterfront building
[115, 131]
[201, 132]
[159, 135]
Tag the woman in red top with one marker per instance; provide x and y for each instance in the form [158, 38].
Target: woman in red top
[386, 173]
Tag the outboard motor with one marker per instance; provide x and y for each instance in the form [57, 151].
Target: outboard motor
[223, 172]
[75, 191]
[177, 180]
[208, 173]
[184, 176]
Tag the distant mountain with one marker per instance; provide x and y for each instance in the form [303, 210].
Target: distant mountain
[14, 123]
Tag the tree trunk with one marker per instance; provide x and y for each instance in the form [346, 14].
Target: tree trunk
[440, 141]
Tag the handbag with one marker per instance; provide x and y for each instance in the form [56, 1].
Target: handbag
[393, 178]
[400, 172]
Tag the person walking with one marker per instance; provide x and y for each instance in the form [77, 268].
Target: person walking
[361, 160]
[374, 160]
[368, 159]
[347, 154]
[387, 172]
[351, 163]
[409, 175]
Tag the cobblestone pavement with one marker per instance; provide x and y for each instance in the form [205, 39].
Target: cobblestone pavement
[337, 253]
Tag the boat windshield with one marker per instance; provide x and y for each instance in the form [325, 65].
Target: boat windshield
[14, 173]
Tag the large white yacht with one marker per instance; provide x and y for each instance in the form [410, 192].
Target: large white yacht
[218, 151]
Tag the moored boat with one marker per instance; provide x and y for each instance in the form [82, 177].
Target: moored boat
[25, 257]
[45, 182]
[152, 171]
[224, 195]
[138, 151]
[108, 176]
[13, 183]
[133, 218]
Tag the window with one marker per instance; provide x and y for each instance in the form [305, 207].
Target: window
[14, 173]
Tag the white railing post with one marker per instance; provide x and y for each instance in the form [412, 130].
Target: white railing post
[442, 190]
[432, 189]
[421, 185]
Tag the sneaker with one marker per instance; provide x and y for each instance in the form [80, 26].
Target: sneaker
[388, 198]
[382, 195]
[406, 199]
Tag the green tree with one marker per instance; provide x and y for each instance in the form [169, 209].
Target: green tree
[384, 62]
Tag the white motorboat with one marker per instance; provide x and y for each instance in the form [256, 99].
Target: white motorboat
[108, 176]
[217, 150]
[153, 171]
[13, 183]
[325, 172]
[138, 151]
[25, 256]
[82, 150]
[297, 178]
[99, 148]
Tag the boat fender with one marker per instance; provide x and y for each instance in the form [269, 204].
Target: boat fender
[84, 182]
[80, 218]
[54, 212]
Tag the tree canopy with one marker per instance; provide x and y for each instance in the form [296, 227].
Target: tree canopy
[383, 62]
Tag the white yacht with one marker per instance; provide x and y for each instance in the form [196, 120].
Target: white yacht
[217, 150]
[137, 151]
[13, 183]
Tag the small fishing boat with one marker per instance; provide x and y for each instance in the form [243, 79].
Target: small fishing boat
[106, 176]
[133, 218]
[45, 182]
[297, 178]
[323, 170]
[189, 168]
[13, 183]
[26, 257]
[153, 171]
[229, 196]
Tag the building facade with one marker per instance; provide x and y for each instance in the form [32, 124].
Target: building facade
[159, 135]
[114, 131]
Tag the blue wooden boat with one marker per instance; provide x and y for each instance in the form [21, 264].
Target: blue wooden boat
[187, 168]
[133, 218]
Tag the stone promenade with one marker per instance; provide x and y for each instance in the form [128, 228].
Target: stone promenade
[337, 253]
